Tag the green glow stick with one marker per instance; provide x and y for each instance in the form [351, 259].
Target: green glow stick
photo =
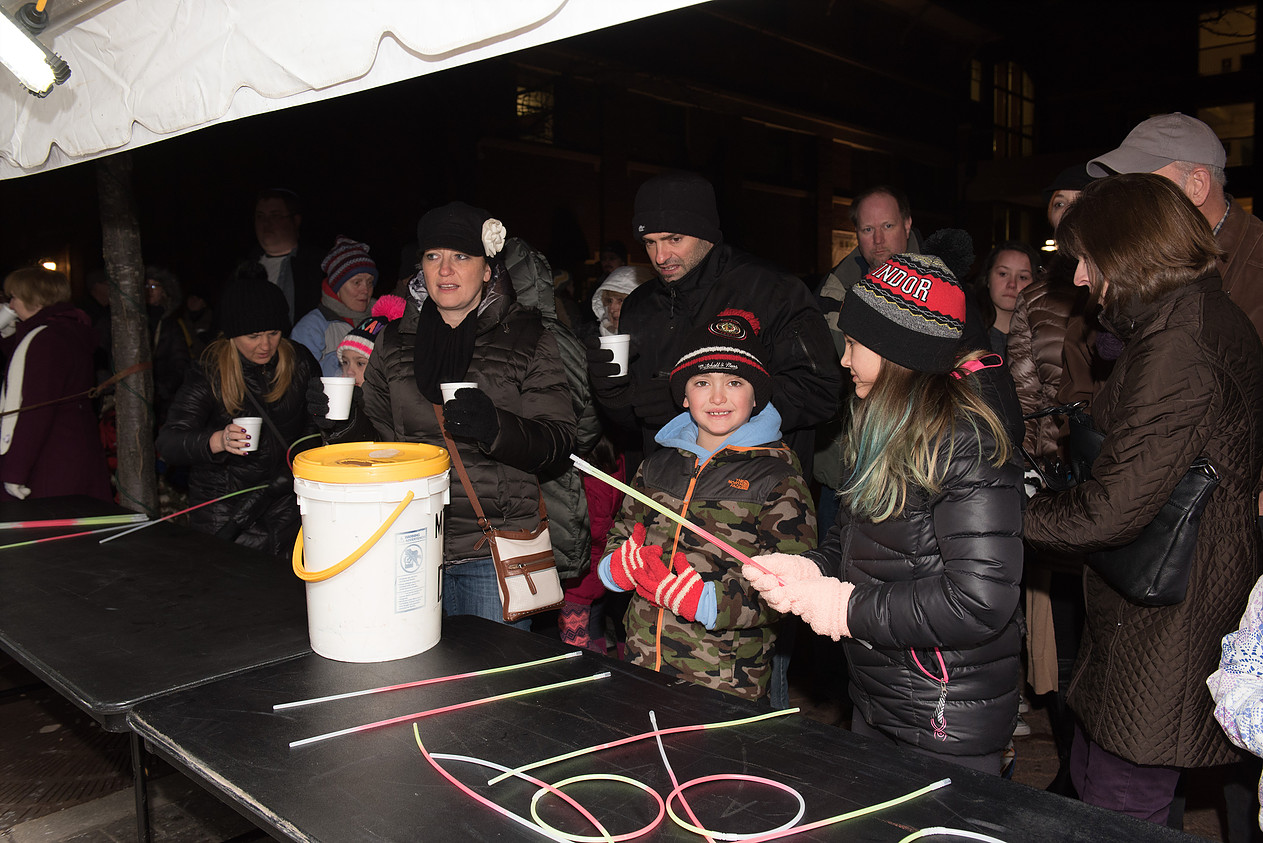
[642, 736]
[587, 467]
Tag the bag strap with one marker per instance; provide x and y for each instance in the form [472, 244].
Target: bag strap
[271, 424]
[459, 465]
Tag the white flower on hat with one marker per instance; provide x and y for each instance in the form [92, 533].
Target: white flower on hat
[493, 233]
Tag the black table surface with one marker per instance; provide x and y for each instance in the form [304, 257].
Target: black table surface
[166, 608]
[375, 785]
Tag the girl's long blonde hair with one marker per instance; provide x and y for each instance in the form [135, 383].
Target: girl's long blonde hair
[898, 431]
[223, 368]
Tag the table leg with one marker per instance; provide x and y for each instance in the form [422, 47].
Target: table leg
[141, 786]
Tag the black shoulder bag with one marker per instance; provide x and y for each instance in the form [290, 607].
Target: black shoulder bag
[1153, 569]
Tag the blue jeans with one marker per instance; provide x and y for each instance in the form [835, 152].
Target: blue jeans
[470, 588]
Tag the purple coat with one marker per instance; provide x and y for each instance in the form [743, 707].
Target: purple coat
[55, 450]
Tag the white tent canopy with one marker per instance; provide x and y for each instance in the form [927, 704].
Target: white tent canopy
[143, 70]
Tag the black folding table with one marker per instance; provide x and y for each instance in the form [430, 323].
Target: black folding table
[375, 785]
[111, 625]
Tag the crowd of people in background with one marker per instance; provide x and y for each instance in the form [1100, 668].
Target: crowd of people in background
[875, 442]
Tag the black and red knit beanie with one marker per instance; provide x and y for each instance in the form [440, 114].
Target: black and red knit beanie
[728, 344]
[910, 310]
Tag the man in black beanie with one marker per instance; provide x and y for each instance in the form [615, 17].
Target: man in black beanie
[699, 275]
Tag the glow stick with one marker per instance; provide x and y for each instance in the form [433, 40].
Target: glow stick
[517, 818]
[850, 815]
[406, 717]
[182, 511]
[653, 721]
[587, 467]
[488, 672]
[87, 521]
[59, 538]
[642, 736]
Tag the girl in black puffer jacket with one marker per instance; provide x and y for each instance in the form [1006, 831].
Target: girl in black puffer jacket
[920, 571]
[250, 358]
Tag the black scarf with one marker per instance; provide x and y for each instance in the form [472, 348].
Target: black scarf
[441, 353]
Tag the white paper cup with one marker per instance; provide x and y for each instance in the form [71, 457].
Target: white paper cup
[252, 424]
[619, 344]
[339, 390]
[449, 389]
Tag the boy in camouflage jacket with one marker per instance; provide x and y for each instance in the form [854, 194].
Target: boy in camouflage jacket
[723, 466]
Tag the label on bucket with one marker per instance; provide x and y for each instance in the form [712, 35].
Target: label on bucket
[410, 570]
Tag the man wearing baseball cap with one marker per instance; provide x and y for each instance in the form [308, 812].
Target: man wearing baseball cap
[1187, 151]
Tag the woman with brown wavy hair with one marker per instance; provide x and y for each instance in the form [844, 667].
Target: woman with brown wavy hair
[1188, 384]
[250, 370]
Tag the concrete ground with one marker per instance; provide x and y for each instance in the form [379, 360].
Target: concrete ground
[65, 780]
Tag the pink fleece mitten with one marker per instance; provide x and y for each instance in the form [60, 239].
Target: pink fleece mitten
[781, 569]
[632, 556]
[823, 605]
[678, 592]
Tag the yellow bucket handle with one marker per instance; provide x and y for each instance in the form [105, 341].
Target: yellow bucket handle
[321, 576]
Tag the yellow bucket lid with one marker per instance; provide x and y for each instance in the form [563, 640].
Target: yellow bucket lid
[371, 462]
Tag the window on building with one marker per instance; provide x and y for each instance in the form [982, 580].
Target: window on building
[1014, 118]
[975, 81]
[1225, 37]
[535, 109]
[1235, 126]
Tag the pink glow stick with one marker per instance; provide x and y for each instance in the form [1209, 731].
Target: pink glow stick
[65, 536]
[587, 467]
[417, 716]
[477, 797]
[86, 521]
[419, 682]
[182, 511]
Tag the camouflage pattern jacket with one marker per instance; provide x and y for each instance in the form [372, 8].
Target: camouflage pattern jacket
[751, 494]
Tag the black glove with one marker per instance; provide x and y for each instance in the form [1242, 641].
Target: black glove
[601, 363]
[318, 406]
[652, 403]
[471, 415]
[610, 388]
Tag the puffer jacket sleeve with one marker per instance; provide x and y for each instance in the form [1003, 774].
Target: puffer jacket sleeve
[1166, 403]
[542, 436]
[1025, 373]
[786, 524]
[977, 518]
[191, 421]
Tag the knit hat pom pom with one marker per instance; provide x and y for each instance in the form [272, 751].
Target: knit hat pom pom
[742, 314]
[390, 306]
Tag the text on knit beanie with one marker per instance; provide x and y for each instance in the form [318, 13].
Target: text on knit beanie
[677, 203]
[346, 260]
[363, 337]
[728, 344]
[910, 310]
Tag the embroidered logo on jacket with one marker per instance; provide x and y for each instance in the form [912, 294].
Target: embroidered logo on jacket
[743, 485]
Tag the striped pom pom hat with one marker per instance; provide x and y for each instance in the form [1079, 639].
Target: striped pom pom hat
[728, 344]
[363, 337]
[347, 259]
[910, 310]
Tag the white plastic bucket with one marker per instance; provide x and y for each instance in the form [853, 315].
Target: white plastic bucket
[385, 603]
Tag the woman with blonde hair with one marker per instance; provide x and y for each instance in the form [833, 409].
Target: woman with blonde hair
[920, 571]
[249, 370]
[1188, 384]
[49, 446]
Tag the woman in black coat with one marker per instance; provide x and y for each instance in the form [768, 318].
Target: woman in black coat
[250, 370]
[920, 571]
